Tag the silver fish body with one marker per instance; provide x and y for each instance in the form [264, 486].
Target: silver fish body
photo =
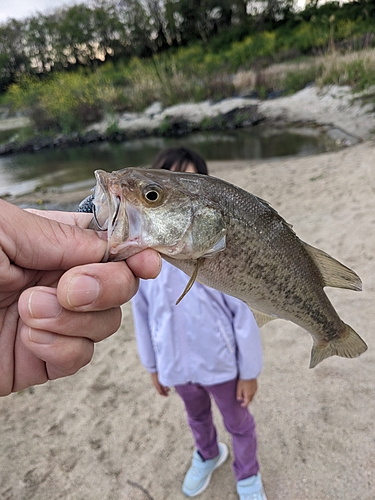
[232, 241]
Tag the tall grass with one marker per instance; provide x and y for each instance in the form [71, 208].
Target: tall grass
[355, 69]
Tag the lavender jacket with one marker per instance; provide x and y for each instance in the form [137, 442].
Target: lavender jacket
[208, 338]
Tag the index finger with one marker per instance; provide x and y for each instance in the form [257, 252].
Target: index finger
[45, 243]
[79, 219]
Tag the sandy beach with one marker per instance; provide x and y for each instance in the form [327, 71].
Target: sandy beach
[105, 434]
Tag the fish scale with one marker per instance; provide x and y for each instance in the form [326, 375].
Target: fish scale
[230, 240]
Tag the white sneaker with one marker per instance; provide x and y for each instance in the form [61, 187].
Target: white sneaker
[251, 488]
[199, 475]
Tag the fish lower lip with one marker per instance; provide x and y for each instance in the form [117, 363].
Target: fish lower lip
[96, 219]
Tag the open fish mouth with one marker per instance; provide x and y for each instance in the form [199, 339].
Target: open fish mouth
[105, 209]
[109, 210]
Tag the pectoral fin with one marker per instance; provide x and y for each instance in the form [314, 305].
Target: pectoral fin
[218, 246]
[191, 280]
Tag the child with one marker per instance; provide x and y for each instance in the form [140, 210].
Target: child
[208, 344]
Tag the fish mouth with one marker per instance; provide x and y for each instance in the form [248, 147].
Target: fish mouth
[109, 212]
[105, 204]
[105, 212]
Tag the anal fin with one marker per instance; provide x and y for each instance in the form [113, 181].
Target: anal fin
[261, 318]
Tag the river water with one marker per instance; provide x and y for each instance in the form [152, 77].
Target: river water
[74, 167]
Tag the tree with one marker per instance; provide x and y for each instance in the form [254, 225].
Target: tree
[109, 31]
[13, 57]
[41, 37]
[158, 21]
[202, 19]
[76, 35]
[138, 30]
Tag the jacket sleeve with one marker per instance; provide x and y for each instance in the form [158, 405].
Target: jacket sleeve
[143, 332]
[247, 337]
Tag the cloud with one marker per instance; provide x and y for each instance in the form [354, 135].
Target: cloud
[20, 9]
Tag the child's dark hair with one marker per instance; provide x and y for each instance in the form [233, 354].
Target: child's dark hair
[180, 159]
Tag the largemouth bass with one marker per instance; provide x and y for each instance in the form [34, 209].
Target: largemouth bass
[231, 240]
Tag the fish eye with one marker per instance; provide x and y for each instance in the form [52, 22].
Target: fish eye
[153, 194]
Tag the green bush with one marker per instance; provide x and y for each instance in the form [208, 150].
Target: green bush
[345, 28]
[243, 54]
[314, 34]
[66, 102]
[191, 59]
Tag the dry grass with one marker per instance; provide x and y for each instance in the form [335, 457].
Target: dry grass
[356, 69]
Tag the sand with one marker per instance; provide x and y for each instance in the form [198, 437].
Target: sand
[105, 433]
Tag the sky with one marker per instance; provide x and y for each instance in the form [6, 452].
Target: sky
[20, 9]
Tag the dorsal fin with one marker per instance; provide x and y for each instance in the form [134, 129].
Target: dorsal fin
[333, 272]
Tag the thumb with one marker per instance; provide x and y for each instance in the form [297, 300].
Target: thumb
[36, 242]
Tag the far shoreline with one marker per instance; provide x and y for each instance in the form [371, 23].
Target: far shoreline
[335, 110]
[331, 110]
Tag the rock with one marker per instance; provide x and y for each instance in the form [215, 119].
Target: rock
[93, 136]
[7, 149]
[155, 109]
[242, 117]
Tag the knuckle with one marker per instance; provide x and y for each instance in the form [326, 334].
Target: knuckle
[111, 322]
[77, 356]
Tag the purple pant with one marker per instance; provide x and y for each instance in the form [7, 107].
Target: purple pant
[237, 420]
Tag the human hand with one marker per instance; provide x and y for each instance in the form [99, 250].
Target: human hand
[246, 390]
[56, 298]
[162, 389]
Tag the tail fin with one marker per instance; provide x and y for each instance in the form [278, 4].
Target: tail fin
[350, 345]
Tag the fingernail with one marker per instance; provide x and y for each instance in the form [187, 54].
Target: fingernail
[41, 337]
[44, 304]
[83, 290]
